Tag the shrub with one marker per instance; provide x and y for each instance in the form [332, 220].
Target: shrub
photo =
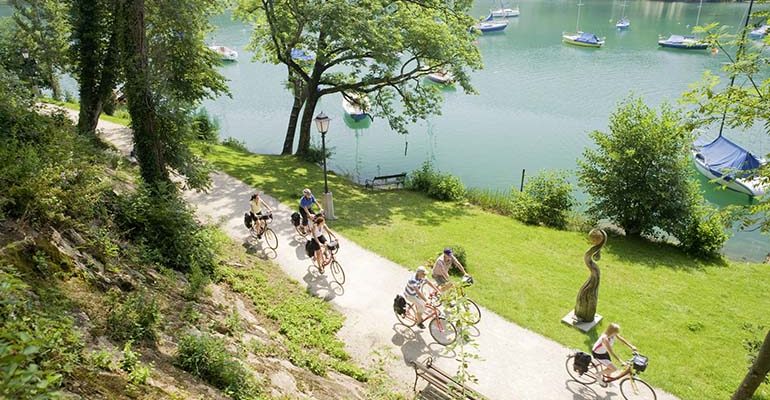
[547, 199]
[135, 317]
[439, 186]
[207, 358]
[236, 144]
[461, 255]
[702, 233]
[315, 154]
[205, 127]
[164, 224]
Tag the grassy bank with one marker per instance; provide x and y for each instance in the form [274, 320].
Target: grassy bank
[686, 315]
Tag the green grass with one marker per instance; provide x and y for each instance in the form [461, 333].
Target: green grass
[685, 314]
[76, 107]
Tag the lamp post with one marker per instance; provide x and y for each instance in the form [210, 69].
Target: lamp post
[322, 123]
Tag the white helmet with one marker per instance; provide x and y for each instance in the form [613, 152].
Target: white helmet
[421, 269]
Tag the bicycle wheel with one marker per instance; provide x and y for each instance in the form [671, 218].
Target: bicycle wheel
[587, 377]
[443, 332]
[271, 239]
[474, 310]
[337, 273]
[636, 389]
[409, 319]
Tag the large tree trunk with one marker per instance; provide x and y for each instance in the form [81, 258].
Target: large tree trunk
[307, 120]
[141, 104]
[299, 99]
[756, 374]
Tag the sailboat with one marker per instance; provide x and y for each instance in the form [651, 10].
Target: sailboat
[623, 22]
[356, 105]
[579, 38]
[686, 42]
[505, 12]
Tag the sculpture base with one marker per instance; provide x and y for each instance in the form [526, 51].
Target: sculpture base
[584, 326]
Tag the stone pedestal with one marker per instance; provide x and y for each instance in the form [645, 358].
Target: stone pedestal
[584, 326]
[329, 205]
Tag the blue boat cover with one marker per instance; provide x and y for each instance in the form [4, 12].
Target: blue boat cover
[726, 157]
[586, 37]
[675, 39]
[301, 55]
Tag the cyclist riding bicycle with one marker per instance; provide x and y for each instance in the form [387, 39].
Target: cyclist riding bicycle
[319, 240]
[443, 263]
[603, 350]
[255, 205]
[414, 295]
[306, 208]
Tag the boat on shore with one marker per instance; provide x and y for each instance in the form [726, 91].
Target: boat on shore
[584, 39]
[356, 105]
[225, 53]
[682, 42]
[731, 165]
[441, 77]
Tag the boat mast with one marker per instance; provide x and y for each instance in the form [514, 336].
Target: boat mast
[737, 57]
[700, 6]
[624, 10]
[577, 24]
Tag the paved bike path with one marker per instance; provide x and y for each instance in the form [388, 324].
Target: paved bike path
[515, 363]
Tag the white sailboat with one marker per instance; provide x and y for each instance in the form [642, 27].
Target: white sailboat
[623, 22]
[685, 42]
[505, 12]
[580, 38]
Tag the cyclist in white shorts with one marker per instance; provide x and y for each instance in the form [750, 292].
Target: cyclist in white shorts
[414, 295]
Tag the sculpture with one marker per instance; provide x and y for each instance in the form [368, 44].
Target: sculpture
[588, 296]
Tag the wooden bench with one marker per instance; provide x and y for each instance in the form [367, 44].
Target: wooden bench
[441, 385]
[386, 180]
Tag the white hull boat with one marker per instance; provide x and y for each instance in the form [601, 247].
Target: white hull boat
[225, 53]
[731, 165]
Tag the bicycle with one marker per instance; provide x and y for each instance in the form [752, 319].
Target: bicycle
[434, 298]
[442, 331]
[271, 239]
[330, 249]
[631, 387]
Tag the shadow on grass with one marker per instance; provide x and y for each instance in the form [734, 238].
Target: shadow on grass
[637, 250]
[284, 177]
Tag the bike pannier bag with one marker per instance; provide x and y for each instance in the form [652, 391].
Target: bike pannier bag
[582, 360]
[640, 363]
[295, 219]
[247, 220]
[399, 305]
[309, 248]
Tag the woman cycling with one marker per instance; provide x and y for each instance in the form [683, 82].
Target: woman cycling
[255, 204]
[306, 207]
[603, 349]
[317, 242]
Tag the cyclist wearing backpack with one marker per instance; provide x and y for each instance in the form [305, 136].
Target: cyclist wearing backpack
[603, 350]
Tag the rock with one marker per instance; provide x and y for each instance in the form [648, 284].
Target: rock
[75, 237]
[284, 383]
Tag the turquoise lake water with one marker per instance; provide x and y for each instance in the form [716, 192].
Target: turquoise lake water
[538, 98]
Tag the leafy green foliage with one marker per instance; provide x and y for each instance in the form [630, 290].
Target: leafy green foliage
[440, 186]
[315, 154]
[205, 126]
[498, 202]
[234, 143]
[461, 255]
[133, 317]
[547, 199]
[207, 357]
[36, 348]
[166, 227]
[138, 373]
[639, 178]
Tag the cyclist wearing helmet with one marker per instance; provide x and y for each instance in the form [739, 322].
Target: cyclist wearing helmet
[441, 268]
[414, 295]
[306, 206]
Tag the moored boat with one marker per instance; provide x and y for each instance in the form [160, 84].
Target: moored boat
[505, 12]
[489, 26]
[623, 23]
[585, 39]
[682, 42]
[731, 165]
[225, 53]
[760, 32]
[356, 105]
[441, 77]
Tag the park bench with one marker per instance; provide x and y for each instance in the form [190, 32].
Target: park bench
[441, 385]
[386, 180]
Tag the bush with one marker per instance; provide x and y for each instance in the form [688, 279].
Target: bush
[461, 255]
[136, 317]
[546, 200]
[236, 144]
[165, 226]
[207, 358]
[498, 202]
[315, 154]
[639, 178]
[205, 127]
[439, 186]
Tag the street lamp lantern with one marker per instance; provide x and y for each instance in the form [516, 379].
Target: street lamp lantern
[322, 123]
[25, 54]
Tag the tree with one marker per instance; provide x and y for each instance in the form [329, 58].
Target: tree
[639, 178]
[758, 372]
[378, 47]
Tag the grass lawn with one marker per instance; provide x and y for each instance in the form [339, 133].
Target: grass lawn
[686, 315]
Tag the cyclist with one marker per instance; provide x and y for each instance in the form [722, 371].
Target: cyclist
[603, 350]
[317, 242]
[305, 208]
[413, 293]
[255, 204]
[441, 268]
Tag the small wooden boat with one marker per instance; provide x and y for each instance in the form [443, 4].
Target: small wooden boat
[682, 42]
[760, 32]
[489, 26]
[225, 53]
[441, 77]
[585, 39]
[731, 165]
[356, 105]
